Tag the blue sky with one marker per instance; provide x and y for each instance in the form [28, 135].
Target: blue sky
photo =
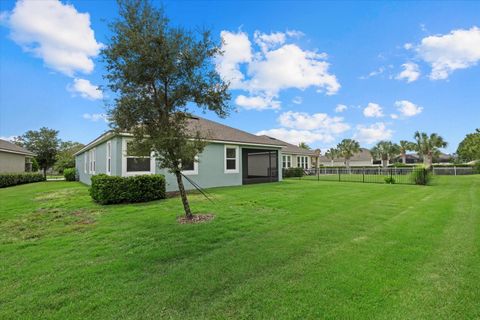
[301, 71]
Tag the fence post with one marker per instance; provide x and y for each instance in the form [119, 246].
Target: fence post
[363, 175]
[455, 169]
[338, 170]
[391, 174]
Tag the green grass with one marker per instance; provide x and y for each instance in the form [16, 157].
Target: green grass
[292, 250]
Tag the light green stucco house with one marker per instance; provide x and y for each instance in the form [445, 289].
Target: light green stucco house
[232, 157]
[14, 159]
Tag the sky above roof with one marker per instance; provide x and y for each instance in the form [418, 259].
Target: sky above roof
[309, 71]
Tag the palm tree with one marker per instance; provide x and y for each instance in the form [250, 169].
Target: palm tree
[427, 146]
[385, 150]
[347, 148]
[331, 154]
[303, 145]
[404, 147]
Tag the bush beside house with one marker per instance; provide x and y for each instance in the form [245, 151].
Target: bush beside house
[13, 179]
[70, 174]
[107, 189]
[293, 172]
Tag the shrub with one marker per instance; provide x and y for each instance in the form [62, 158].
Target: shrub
[390, 180]
[293, 172]
[476, 167]
[70, 174]
[421, 175]
[12, 179]
[107, 189]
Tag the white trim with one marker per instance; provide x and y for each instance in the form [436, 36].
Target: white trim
[195, 168]
[108, 164]
[92, 160]
[126, 173]
[85, 163]
[288, 161]
[237, 162]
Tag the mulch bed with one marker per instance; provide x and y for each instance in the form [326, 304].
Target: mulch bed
[197, 218]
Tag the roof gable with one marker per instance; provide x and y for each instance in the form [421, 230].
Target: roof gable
[7, 146]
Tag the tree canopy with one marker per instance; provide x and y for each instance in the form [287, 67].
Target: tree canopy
[158, 72]
[44, 143]
[347, 148]
[385, 150]
[303, 145]
[428, 146]
[469, 147]
[65, 155]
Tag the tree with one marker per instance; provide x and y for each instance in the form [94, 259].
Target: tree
[331, 154]
[157, 72]
[427, 146]
[65, 156]
[303, 145]
[347, 148]
[44, 143]
[404, 147]
[469, 148]
[385, 150]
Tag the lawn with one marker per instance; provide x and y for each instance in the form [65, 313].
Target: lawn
[295, 249]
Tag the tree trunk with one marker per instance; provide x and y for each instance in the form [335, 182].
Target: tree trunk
[384, 163]
[404, 158]
[183, 194]
[45, 172]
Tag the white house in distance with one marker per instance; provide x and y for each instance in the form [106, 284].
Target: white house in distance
[295, 157]
[363, 158]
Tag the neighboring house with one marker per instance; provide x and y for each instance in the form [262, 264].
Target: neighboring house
[14, 158]
[413, 158]
[363, 158]
[295, 157]
[231, 157]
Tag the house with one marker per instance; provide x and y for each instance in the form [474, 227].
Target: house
[232, 157]
[295, 157]
[14, 158]
[363, 158]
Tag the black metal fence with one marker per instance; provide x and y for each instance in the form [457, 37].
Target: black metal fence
[403, 175]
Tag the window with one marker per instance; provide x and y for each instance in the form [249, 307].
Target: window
[138, 163]
[28, 164]
[190, 166]
[92, 161]
[85, 162]
[109, 157]
[302, 162]
[287, 161]
[231, 159]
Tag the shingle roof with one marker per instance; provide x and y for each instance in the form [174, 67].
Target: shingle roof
[216, 131]
[291, 148]
[7, 146]
[210, 130]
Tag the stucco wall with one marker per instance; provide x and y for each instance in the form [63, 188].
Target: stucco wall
[211, 166]
[11, 162]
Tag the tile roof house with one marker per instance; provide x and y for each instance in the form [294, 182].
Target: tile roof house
[362, 158]
[231, 157]
[293, 156]
[14, 158]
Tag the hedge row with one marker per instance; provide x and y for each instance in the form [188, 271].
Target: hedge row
[13, 179]
[107, 189]
[70, 174]
[293, 172]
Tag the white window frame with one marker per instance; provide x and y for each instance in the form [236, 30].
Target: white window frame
[286, 161]
[126, 173]
[195, 168]
[92, 160]
[302, 162]
[237, 162]
[108, 164]
[85, 162]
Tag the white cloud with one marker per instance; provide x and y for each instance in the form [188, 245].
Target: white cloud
[85, 89]
[374, 73]
[297, 100]
[394, 116]
[410, 72]
[257, 102]
[55, 32]
[299, 126]
[408, 46]
[9, 138]
[296, 136]
[407, 108]
[95, 117]
[277, 66]
[373, 133]
[340, 108]
[316, 121]
[460, 49]
[373, 110]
